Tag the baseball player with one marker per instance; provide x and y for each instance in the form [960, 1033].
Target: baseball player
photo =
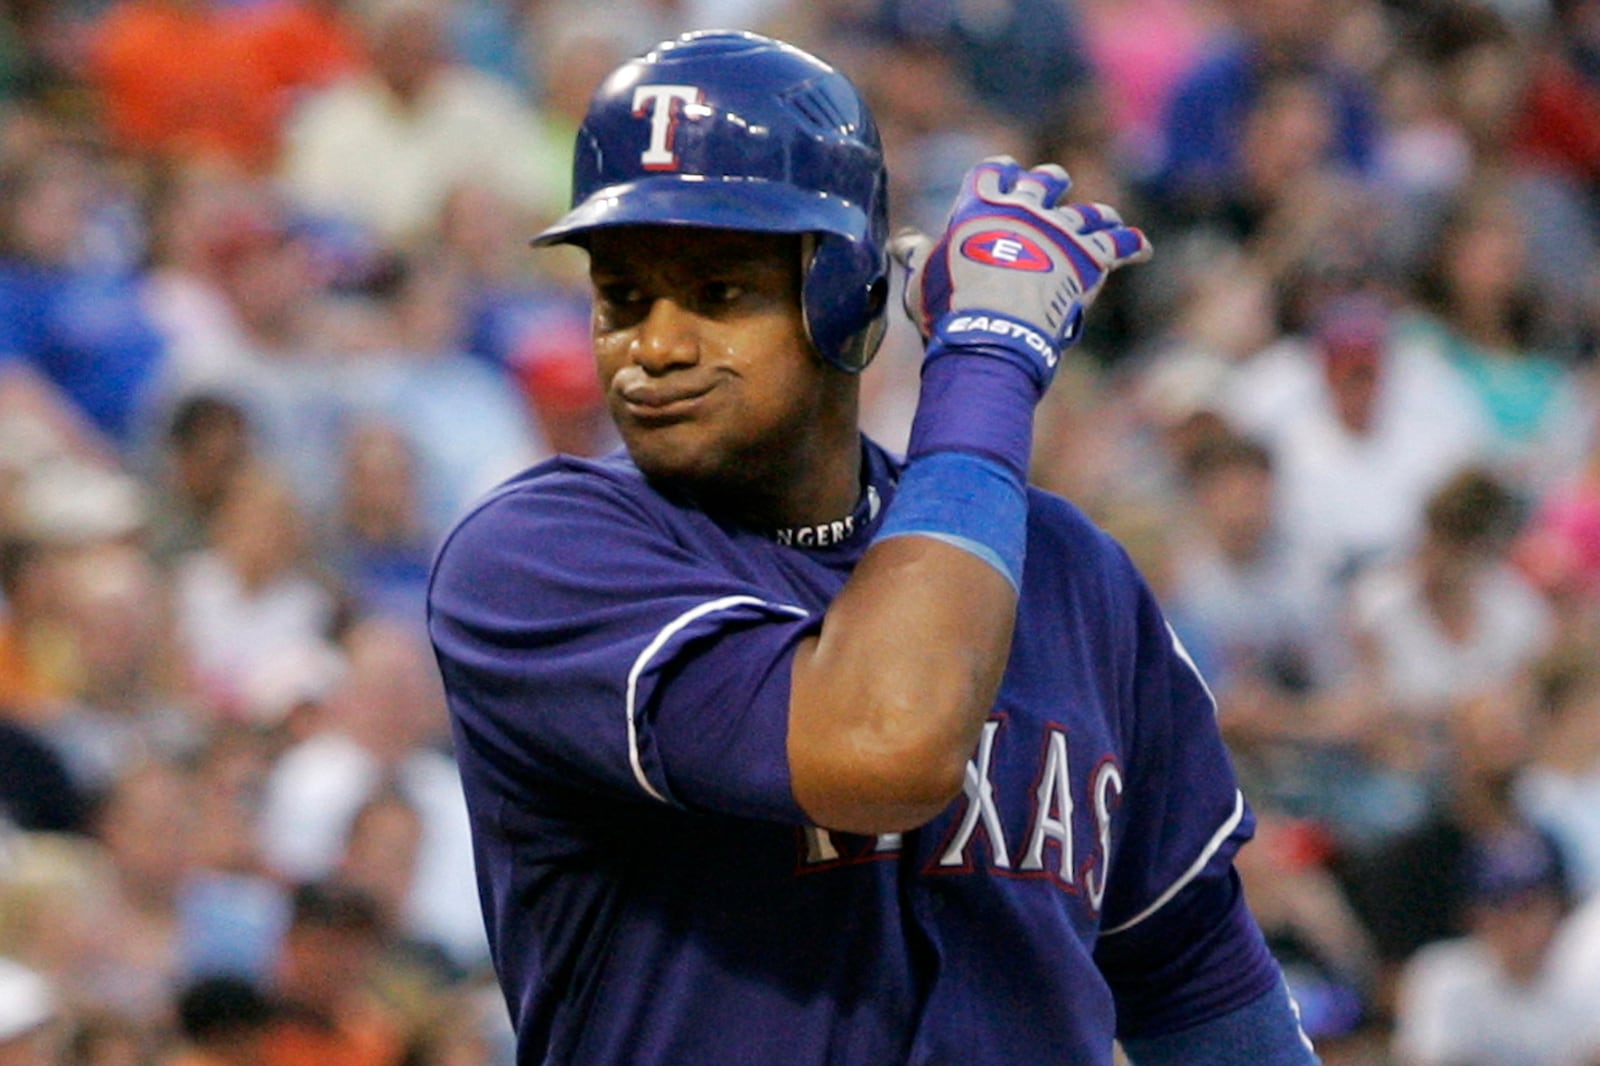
[780, 749]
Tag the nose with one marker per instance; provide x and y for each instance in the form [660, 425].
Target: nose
[667, 337]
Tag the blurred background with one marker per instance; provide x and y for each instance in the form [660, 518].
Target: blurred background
[268, 323]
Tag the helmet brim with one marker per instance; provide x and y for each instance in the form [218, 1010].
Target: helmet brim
[752, 205]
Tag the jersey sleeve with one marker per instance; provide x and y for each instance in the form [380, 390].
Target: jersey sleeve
[1190, 816]
[585, 647]
[1178, 944]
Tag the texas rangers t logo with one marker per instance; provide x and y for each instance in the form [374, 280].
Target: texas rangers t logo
[663, 103]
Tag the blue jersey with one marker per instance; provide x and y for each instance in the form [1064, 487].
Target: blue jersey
[618, 669]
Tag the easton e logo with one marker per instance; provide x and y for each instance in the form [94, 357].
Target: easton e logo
[663, 104]
[1005, 248]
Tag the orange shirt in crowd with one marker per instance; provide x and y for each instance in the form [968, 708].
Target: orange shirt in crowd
[35, 677]
[302, 45]
[190, 80]
[367, 1041]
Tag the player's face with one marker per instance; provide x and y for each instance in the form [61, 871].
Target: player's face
[705, 361]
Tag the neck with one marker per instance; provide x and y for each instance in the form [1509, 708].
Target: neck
[811, 477]
[826, 489]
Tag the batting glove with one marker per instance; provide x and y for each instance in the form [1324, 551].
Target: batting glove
[1015, 269]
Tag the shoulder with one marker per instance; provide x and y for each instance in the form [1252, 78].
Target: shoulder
[1078, 575]
[561, 493]
[1063, 535]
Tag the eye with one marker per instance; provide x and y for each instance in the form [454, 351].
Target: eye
[619, 293]
[619, 304]
[720, 293]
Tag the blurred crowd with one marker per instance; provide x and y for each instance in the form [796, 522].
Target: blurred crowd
[268, 322]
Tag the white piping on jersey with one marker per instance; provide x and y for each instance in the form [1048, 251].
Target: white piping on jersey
[667, 632]
[1217, 840]
[1183, 653]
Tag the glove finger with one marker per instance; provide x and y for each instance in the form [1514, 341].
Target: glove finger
[1091, 218]
[1054, 180]
[910, 248]
[993, 179]
[1030, 191]
[1119, 246]
[1131, 245]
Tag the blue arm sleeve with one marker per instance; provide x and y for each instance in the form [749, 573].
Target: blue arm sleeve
[1263, 1032]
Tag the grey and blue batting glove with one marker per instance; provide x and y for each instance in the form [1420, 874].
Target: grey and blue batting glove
[1015, 269]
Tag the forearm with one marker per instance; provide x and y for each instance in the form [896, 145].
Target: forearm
[889, 698]
[888, 703]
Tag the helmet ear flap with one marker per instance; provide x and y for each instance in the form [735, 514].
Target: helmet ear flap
[845, 295]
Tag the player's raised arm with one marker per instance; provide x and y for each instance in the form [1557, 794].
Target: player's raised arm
[889, 698]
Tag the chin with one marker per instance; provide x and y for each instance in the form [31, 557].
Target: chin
[693, 467]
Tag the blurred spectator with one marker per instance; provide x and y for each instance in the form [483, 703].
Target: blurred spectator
[253, 320]
[1496, 94]
[249, 601]
[385, 727]
[145, 824]
[37, 794]
[1576, 957]
[462, 420]
[1492, 997]
[223, 1021]
[1561, 119]
[1453, 620]
[386, 146]
[208, 441]
[1327, 957]
[1206, 115]
[238, 285]
[932, 123]
[201, 227]
[1232, 600]
[302, 45]
[68, 304]
[1411, 888]
[380, 552]
[1559, 553]
[533, 328]
[1437, 631]
[1231, 577]
[56, 912]
[30, 68]
[575, 51]
[327, 1011]
[1559, 790]
[29, 1033]
[203, 81]
[1022, 58]
[35, 660]
[232, 910]
[1140, 50]
[380, 852]
[1483, 318]
[129, 698]
[1361, 431]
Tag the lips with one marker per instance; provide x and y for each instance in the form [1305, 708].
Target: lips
[654, 399]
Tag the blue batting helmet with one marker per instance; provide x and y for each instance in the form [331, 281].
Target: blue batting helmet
[732, 130]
